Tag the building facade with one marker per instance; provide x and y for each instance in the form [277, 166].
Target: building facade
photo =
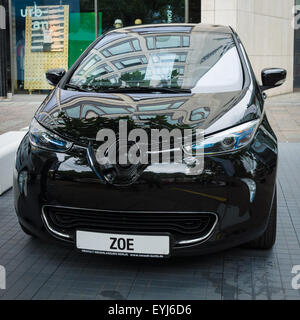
[37, 35]
[266, 28]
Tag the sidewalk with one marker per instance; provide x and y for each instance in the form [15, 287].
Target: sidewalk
[283, 113]
[17, 113]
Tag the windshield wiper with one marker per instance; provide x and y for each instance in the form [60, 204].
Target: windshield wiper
[169, 90]
[127, 89]
[75, 87]
[140, 89]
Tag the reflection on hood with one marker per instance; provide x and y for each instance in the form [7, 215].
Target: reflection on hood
[81, 115]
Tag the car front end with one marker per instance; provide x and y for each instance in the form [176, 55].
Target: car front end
[158, 209]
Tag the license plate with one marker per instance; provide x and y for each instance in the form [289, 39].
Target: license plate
[157, 246]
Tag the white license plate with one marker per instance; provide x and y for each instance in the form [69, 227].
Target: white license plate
[123, 244]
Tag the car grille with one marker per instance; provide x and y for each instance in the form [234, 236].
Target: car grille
[182, 226]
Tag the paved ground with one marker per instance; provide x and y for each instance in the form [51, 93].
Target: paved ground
[283, 112]
[17, 113]
[36, 270]
[284, 115]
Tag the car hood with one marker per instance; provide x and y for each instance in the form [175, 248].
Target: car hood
[80, 115]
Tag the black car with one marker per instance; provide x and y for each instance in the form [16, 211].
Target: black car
[155, 77]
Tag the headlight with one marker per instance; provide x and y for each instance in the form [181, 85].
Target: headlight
[42, 138]
[229, 140]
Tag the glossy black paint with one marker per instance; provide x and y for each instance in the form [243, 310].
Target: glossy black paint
[53, 76]
[68, 179]
[272, 77]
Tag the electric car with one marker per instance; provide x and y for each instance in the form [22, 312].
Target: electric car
[183, 77]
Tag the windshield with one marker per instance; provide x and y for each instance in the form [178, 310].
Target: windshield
[199, 61]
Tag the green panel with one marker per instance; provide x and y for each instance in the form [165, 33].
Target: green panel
[81, 33]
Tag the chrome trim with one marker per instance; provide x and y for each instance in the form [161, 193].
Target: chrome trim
[91, 163]
[183, 242]
[47, 225]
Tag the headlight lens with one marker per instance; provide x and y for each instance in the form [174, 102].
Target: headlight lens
[229, 140]
[42, 138]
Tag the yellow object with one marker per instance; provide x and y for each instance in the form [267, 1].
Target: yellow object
[118, 23]
[37, 63]
[138, 21]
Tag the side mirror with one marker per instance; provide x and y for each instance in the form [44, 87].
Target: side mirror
[273, 77]
[53, 76]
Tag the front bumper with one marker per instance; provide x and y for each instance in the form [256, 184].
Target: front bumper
[236, 189]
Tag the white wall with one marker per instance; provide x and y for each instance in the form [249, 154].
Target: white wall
[265, 28]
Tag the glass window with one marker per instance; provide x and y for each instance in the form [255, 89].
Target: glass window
[105, 53]
[176, 105]
[122, 48]
[186, 41]
[118, 65]
[182, 58]
[180, 70]
[136, 45]
[154, 108]
[210, 63]
[101, 71]
[95, 73]
[131, 62]
[73, 112]
[168, 42]
[127, 63]
[89, 64]
[150, 43]
[114, 110]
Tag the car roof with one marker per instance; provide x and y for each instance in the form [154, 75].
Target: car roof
[177, 27]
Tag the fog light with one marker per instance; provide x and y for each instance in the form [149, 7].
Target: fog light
[22, 180]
